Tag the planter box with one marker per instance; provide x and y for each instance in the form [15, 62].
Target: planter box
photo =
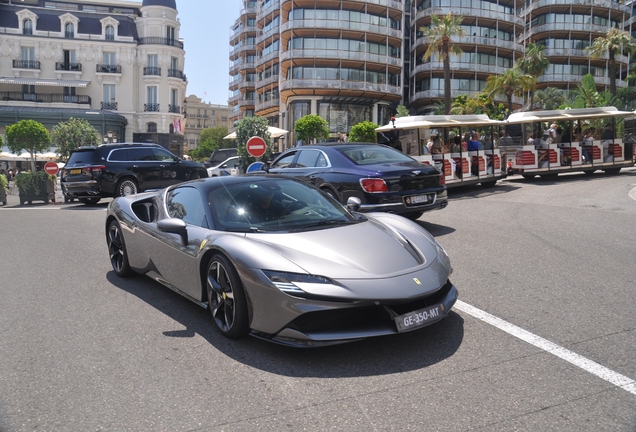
[47, 193]
[3, 196]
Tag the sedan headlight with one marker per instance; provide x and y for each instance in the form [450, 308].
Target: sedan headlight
[291, 283]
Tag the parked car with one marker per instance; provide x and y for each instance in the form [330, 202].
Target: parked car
[112, 170]
[220, 155]
[383, 178]
[274, 257]
[227, 167]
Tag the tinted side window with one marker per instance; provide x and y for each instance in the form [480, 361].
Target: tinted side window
[119, 155]
[310, 159]
[163, 155]
[185, 203]
[284, 162]
[82, 157]
[141, 154]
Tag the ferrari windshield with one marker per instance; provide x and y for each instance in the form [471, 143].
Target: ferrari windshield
[274, 204]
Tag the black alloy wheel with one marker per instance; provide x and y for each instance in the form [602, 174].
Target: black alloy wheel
[226, 298]
[117, 250]
[126, 187]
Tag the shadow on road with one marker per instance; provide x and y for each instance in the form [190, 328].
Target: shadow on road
[374, 356]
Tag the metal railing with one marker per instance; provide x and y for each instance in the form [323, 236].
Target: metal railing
[45, 98]
[74, 67]
[109, 106]
[102, 68]
[26, 64]
[152, 107]
[176, 73]
[174, 109]
[152, 70]
[160, 41]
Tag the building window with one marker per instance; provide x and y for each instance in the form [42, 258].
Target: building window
[69, 31]
[152, 103]
[27, 27]
[152, 127]
[109, 97]
[110, 33]
[170, 35]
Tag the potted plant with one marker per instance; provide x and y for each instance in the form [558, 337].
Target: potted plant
[35, 186]
[4, 187]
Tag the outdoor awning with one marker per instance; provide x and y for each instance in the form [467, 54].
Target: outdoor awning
[44, 82]
[274, 132]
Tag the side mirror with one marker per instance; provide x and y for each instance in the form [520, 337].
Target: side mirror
[353, 204]
[174, 226]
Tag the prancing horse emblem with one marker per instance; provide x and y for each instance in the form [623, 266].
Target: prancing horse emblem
[417, 281]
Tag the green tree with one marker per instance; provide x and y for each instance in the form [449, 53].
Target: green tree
[246, 129]
[402, 111]
[615, 42]
[533, 63]
[311, 127]
[363, 132]
[71, 134]
[210, 139]
[550, 98]
[439, 35]
[586, 95]
[28, 135]
[513, 82]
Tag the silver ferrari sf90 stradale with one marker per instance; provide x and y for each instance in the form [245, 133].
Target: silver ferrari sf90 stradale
[276, 258]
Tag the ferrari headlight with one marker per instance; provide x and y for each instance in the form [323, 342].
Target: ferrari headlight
[290, 283]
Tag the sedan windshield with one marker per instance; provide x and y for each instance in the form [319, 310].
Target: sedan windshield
[274, 204]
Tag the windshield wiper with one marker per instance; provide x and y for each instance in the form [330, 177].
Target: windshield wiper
[324, 224]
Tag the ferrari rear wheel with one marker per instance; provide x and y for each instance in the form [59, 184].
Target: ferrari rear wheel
[226, 298]
[117, 250]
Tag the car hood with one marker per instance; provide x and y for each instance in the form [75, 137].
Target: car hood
[378, 248]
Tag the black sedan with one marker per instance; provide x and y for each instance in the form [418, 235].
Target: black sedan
[383, 178]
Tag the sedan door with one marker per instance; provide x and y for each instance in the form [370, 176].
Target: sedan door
[308, 163]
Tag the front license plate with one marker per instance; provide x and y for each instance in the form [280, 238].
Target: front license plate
[417, 199]
[418, 318]
[76, 171]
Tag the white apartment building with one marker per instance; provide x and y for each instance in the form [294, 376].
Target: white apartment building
[118, 64]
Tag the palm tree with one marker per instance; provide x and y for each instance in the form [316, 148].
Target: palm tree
[550, 98]
[533, 63]
[616, 41]
[513, 82]
[440, 35]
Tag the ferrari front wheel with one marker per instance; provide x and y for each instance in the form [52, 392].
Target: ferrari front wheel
[117, 250]
[226, 298]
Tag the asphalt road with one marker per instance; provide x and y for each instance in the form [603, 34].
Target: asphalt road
[541, 340]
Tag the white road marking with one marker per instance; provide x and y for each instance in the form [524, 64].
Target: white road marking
[586, 364]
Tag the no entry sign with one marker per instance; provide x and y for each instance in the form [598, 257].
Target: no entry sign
[51, 168]
[256, 146]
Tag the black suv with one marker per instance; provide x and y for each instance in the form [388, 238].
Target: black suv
[112, 170]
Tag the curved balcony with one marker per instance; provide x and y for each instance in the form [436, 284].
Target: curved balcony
[241, 49]
[459, 66]
[474, 40]
[565, 27]
[236, 67]
[267, 105]
[234, 115]
[233, 99]
[319, 24]
[267, 58]
[428, 96]
[470, 12]
[234, 84]
[160, 41]
[575, 79]
[321, 84]
[152, 70]
[273, 6]
[246, 103]
[391, 4]
[340, 55]
[249, 85]
[598, 4]
[267, 36]
[564, 52]
[250, 9]
[267, 81]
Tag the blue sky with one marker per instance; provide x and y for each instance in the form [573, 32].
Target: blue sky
[205, 29]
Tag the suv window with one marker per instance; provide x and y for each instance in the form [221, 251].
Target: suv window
[119, 155]
[141, 154]
[163, 155]
[79, 157]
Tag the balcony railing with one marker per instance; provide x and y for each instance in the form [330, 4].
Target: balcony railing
[44, 98]
[174, 109]
[176, 73]
[102, 68]
[109, 106]
[152, 107]
[160, 41]
[69, 35]
[75, 67]
[26, 64]
[152, 70]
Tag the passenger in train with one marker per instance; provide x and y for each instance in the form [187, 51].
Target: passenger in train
[588, 139]
[457, 144]
[474, 144]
